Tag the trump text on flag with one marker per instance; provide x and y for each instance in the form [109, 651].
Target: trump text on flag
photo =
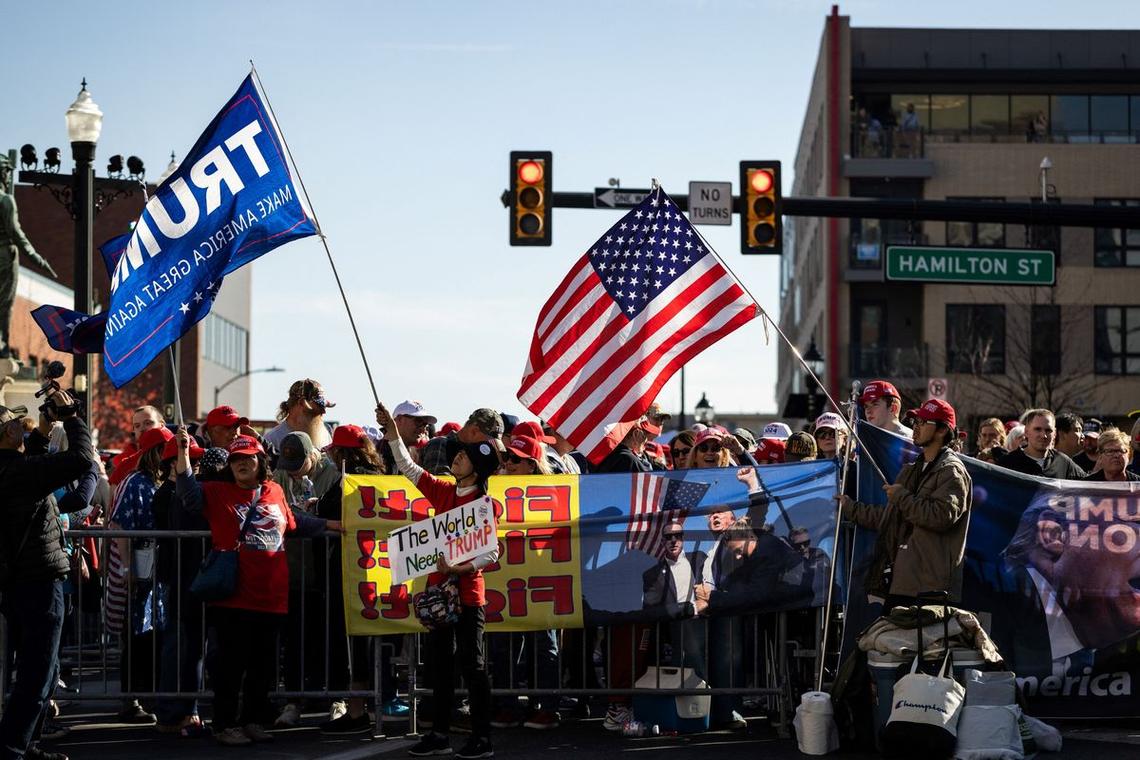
[457, 535]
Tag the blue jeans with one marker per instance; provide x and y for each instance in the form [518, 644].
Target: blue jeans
[181, 651]
[36, 611]
[726, 664]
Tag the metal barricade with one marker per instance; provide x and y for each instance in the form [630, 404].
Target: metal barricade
[744, 656]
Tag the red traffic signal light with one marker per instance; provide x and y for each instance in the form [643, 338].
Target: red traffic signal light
[530, 201]
[760, 227]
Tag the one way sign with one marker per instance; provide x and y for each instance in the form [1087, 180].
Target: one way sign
[618, 197]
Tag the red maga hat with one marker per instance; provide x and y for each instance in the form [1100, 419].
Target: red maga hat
[531, 429]
[525, 447]
[153, 438]
[348, 436]
[877, 389]
[245, 444]
[936, 410]
[225, 416]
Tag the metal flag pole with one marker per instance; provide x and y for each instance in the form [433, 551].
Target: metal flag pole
[855, 385]
[174, 376]
[320, 231]
[795, 351]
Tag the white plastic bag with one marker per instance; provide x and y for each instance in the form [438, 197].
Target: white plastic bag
[989, 731]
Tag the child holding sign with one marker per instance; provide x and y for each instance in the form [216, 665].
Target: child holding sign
[471, 465]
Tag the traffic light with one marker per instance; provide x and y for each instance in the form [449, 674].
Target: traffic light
[760, 228]
[530, 197]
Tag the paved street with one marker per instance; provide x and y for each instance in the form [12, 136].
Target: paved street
[95, 735]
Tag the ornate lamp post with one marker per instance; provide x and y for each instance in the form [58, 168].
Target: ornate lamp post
[84, 123]
[814, 360]
[704, 412]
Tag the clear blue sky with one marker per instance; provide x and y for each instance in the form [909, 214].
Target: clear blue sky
[401, 116]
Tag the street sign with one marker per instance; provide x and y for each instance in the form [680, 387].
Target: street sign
[618, 197]
[976, 266]
[937, 387]
[710, 202]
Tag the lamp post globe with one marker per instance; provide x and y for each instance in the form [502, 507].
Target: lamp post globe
[704, 412]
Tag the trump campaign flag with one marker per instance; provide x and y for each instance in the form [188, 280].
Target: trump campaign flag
[231, 200]
[646, 298]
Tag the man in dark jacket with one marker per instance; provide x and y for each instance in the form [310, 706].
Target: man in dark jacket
[34, 561]
[1038, 457]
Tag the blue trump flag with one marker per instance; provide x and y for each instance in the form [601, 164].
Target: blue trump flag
[231, 200]
[71, 331]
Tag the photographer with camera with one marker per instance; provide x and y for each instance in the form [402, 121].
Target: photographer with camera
[33, 563]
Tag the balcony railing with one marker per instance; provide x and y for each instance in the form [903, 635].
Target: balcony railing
[870, 141]
[898, 363]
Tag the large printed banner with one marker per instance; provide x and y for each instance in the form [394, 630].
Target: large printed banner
[596, 549]
[1055, 568]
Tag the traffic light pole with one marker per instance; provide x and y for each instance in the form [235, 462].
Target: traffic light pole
[1055, 214]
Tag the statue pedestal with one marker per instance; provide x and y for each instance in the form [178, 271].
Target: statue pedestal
[16, 390]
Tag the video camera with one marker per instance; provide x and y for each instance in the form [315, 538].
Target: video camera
[49, 409]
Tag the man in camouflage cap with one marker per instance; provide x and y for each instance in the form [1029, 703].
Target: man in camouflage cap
[12, 242]
[483, 425]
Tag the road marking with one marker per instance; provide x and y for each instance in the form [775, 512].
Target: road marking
[370, 749]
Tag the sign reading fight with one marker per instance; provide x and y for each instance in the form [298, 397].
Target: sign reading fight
[457, 535]
[231, 200]
[534, 585]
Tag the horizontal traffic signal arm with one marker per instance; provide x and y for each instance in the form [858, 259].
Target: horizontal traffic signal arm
[1060, 214]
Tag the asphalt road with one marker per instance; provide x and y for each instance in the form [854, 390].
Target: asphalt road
[94, 734]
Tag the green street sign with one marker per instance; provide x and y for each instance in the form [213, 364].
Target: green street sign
[975, 266]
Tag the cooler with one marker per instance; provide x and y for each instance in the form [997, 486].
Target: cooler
[963, 659]
[885, 670]
[683, 714]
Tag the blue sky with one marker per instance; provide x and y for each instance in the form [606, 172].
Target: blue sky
[400, 118]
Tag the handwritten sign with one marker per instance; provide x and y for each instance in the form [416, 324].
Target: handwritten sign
[456, 535]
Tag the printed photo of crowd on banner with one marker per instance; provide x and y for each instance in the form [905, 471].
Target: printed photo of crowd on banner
[681, 576]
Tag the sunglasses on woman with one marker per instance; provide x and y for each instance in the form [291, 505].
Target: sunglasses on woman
[516, 459]
[710, 447]
[681, 453]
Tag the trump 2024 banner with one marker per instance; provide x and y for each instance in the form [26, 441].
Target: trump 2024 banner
[1053, 570]
[581, 550]
[231, 200]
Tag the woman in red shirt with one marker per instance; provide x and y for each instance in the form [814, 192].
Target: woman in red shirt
[247, 622]
[471, 465]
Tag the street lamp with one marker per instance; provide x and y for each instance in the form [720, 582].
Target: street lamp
[814, 361]
[704, 412]
[84, 123]
[218, 389]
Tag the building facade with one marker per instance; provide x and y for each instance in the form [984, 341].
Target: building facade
[970, 114]
[211, 354]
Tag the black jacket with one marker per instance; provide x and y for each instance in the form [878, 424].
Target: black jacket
[658, 593]
[1057, 465]
[1099, 476]
[27, 481]
[622, 459]
[773, 576]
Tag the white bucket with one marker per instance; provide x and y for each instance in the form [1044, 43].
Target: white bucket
[816, 732]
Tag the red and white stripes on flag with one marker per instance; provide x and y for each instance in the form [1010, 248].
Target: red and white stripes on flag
[647, 518]
[644, 300]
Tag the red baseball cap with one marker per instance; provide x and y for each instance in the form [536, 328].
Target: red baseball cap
[225, 416]
[448, 427]
[877, 389]
[649, 427]
[153, 438]
[770, 451]
[708, 433]
[245, 444]
[531, 429]
[170, 449]
[936, 410]
[525, 447]
[348, 436]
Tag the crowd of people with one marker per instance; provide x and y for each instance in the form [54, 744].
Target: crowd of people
[251, 490]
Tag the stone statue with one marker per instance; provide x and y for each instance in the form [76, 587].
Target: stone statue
[12, 242]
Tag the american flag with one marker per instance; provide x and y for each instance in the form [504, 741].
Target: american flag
[646, 298]
[655, 502]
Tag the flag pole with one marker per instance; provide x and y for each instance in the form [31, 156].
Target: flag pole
[178, 419]
[320, 232]
[795, 352]
[846, 454]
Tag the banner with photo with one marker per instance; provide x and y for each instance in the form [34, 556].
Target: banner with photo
[588, 550]
[1053, 569]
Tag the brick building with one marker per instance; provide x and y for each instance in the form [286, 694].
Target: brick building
[970, 114]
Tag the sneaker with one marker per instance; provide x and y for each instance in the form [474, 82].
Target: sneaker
[476, 747]
[505, 718]
[35, 753]
[53, 730]
[617, 715]
[134, 713]
[232, 737]
[346, 725]
[543, 719]
[431, 744]
[337, 710]
[256, 733]
[290, 716]
[395, 709]
[53, 709]
[735, 723]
